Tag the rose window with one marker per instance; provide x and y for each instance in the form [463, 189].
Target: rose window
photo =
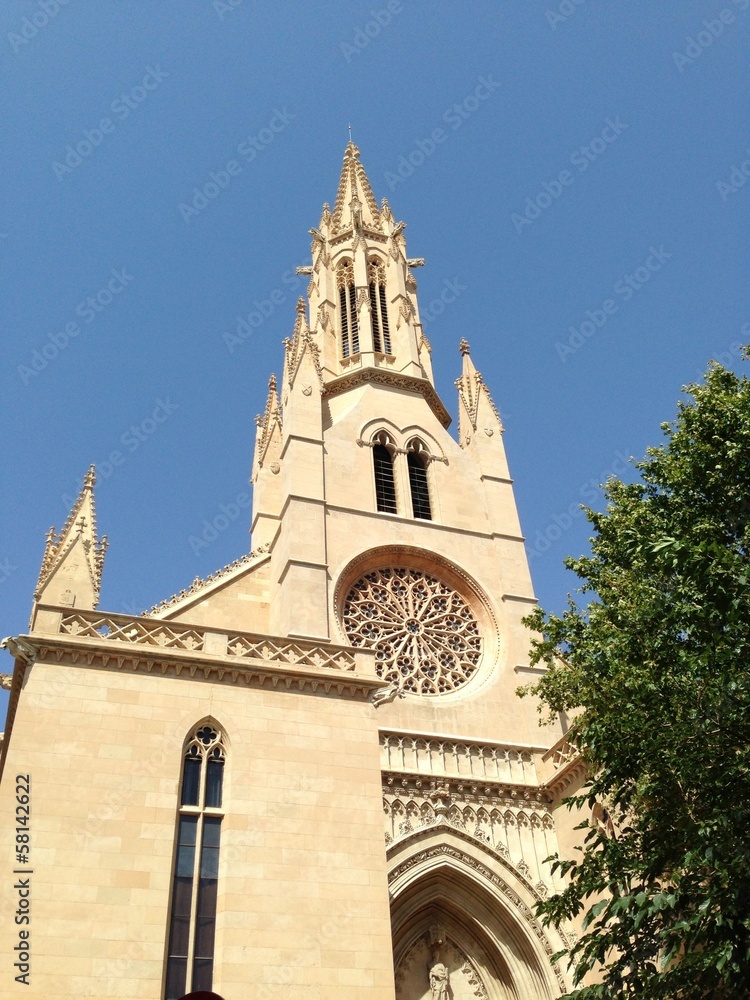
[425, 636]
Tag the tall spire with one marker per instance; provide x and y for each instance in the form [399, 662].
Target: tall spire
[355, 206]
[71, 572]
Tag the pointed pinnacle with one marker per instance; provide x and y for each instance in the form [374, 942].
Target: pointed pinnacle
[464, 346]
[89, 480]
[300, 306]
[272, 384]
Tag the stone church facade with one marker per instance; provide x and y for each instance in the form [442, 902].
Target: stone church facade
[307, 776]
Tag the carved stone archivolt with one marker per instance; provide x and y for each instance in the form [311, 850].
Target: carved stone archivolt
[491, 879]
[425, 636]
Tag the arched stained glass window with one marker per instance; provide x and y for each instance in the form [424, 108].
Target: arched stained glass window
[192, 920]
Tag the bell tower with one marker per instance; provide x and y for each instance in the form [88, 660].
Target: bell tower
[309, 772]
[355, 471]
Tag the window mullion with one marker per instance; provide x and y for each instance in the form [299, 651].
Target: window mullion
[196, 877]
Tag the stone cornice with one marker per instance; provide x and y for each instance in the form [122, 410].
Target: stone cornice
[364, 376]
[179, 663]
[469, 789]
[534, 748]
[178, 649]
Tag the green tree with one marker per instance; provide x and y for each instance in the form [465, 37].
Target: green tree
[656, 673]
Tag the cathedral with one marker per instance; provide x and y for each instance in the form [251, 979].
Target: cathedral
[308, 776]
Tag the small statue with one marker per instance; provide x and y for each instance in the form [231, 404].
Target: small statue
[439, 978]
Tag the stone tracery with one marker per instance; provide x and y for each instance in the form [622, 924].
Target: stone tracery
[425, 636]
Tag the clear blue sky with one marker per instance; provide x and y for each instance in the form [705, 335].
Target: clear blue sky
[594, 178]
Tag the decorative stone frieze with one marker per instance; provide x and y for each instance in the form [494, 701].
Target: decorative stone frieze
[514, 822]
[426, 755]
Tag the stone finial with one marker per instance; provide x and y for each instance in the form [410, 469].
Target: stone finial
[464, 346]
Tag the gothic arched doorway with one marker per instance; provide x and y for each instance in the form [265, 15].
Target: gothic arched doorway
[463, 928]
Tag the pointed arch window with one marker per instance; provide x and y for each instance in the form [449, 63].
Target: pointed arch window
[348, 309]
[417, 458]
[381, 334]
[192, 919]
[385, 485]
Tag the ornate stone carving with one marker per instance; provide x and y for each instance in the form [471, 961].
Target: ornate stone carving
[425, 636]
[511, 822]
[385, 694]
[21, 650]
[352, 184]
[77, 526]
[405, 312]
[471, 389]
[174, 635]
[300, 343]
[446, 850]
[471, 761]
[397, 380]
[176, 650]
[434, 967]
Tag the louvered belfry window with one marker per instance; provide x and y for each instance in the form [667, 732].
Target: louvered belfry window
[192, 919]
[348, 309]
[385, 486]
[420, 492]
[381, 334]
